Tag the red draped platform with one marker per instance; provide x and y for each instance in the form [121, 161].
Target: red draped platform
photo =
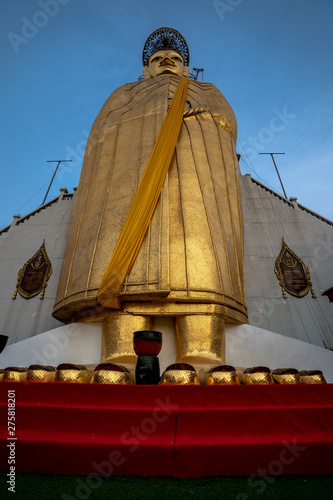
[180, 431]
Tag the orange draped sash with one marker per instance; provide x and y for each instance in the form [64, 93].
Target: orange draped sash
[144, 202]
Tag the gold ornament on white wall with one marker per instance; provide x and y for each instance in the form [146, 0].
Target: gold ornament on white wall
[293, 274]
[33, 277]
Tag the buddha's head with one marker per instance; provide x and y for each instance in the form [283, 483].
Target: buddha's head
[165, 62]
[165, 53]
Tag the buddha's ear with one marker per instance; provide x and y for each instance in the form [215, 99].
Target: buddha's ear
[186, 71]
[145, 72]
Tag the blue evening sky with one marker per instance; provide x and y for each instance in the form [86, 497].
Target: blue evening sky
[272, 59]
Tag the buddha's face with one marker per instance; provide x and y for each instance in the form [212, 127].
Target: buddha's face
[165, 62]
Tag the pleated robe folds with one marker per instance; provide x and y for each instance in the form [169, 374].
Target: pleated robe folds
[193, 250]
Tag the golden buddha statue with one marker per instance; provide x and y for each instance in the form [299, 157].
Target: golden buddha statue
[190, 263]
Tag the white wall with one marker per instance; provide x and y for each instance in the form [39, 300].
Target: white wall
[22, 318]
[267, 218]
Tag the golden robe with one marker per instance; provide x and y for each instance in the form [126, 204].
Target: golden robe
[193, 250]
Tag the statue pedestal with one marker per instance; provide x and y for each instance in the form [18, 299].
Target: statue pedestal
[81, 429]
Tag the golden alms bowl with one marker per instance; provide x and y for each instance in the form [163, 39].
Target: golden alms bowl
[286, 376]
[312, 377]
[181, 374]
[257, 375]
[40, 373]
[15, 374]
[67, 372]
[109, 373]
[222, 375]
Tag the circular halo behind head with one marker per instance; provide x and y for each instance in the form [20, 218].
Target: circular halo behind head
[164, 39]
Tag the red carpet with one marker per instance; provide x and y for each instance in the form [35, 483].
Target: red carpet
[181, 431]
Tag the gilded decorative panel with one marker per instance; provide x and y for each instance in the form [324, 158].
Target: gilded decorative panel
[292, 273]
[33, 277]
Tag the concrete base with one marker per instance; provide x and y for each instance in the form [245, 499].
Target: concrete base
[246, 346]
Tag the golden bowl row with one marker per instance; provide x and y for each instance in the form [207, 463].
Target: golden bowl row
[45, 374]
[174, 377]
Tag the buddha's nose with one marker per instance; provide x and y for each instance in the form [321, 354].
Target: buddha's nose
[167, 62]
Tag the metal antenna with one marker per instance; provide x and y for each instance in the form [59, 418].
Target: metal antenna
[197, 70]
[285, 195]
[53, 161]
